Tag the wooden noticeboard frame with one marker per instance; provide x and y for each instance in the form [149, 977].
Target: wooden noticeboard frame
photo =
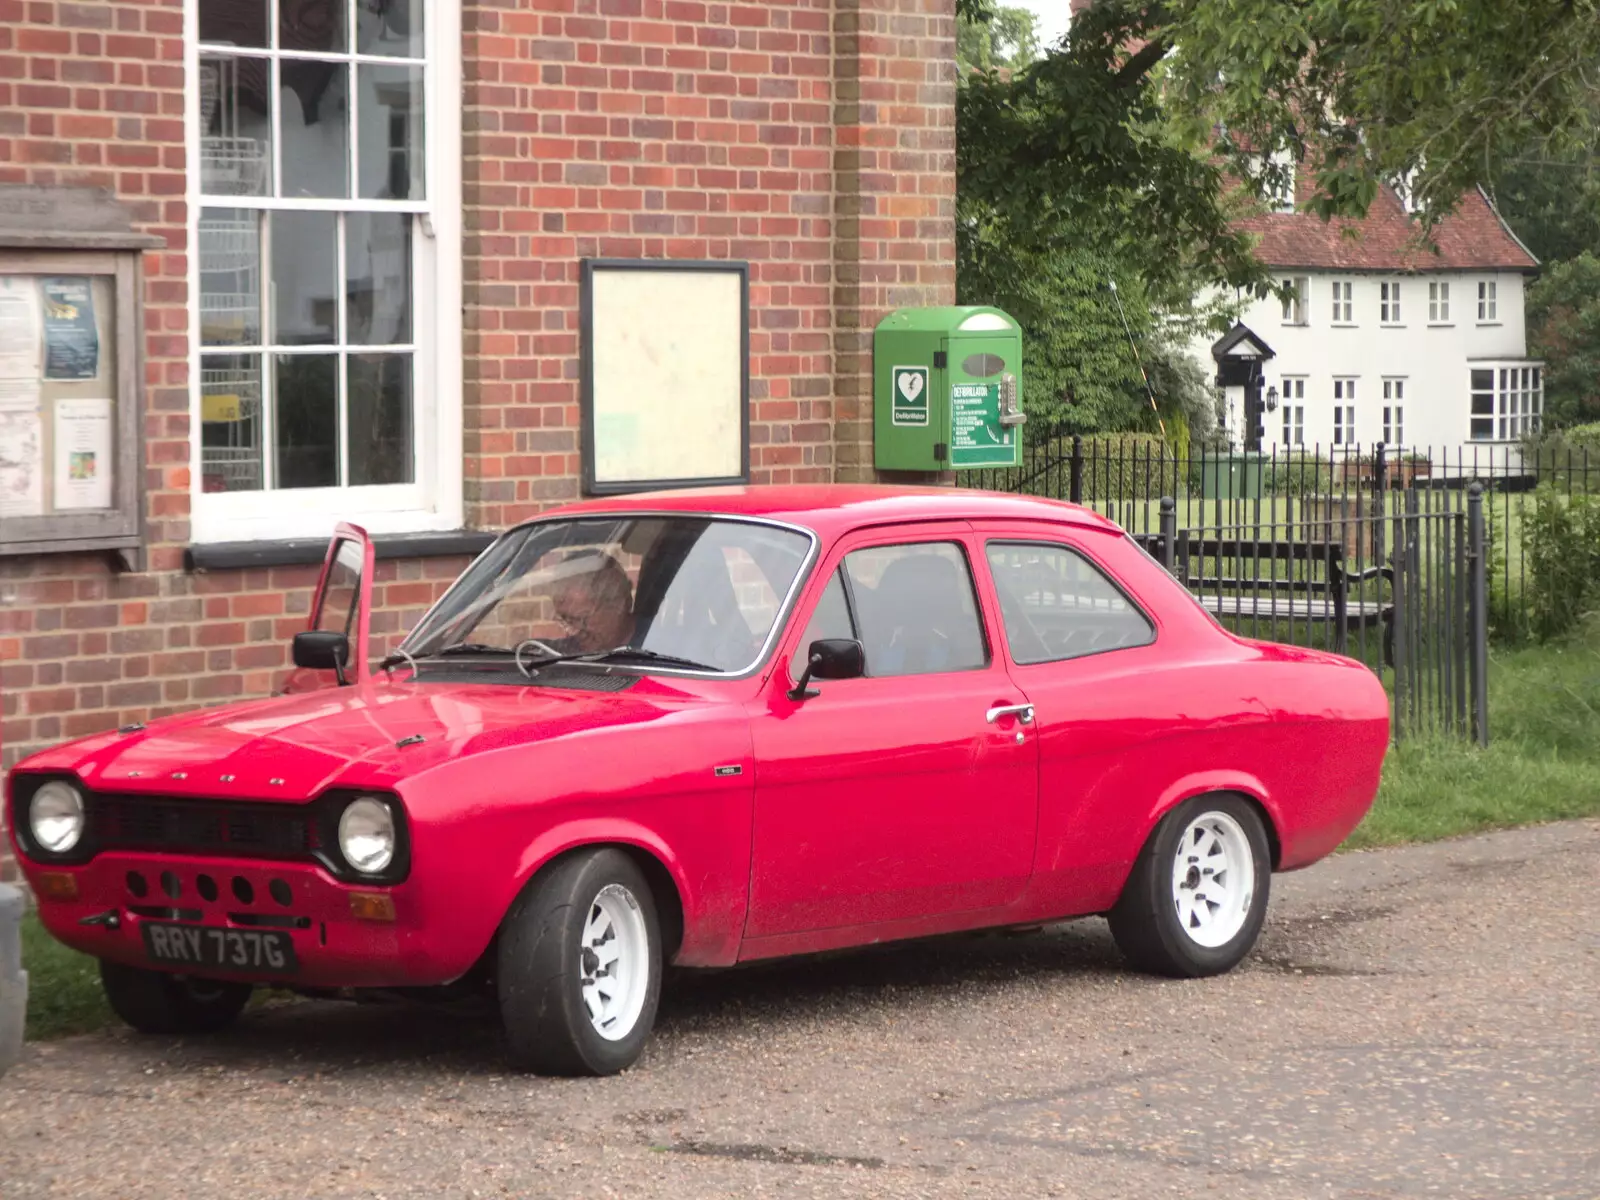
[83, 378]
[665, 374]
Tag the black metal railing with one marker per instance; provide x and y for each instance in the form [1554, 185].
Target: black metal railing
[1405, 593]
[1125, 477]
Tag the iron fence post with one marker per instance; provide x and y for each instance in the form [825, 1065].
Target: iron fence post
[1169, 533]
[1075, 480]
[1399, 593]
[1478, 614]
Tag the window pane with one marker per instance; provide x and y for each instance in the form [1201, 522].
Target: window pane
[305, 265]
[230, 423]
[236, 126]
[392, 27]
[391, 121]
[379, 400]
[341, 598]
[1482, 404]
[230, 277]
[830, 619]
[312, 25]
[377, 249]
[315, 102]
[1482, 381]
[307, 426]
[1055, 604]
[917, 610]
[234, 22]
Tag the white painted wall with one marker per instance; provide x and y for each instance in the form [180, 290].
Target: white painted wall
[1432, 359]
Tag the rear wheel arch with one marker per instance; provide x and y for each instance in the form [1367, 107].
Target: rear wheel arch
[1248, 791]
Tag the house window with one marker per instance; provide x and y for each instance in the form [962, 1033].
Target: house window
[1343, 302]
[1439, 302]
[1294, 300]
[1389, 302]
[1344, 412]
[324, 291]
[1507, 401]
[1488, 304]
[1394, 413]
[1294, 412]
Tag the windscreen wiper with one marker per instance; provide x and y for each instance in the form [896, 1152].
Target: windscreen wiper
[637, 653]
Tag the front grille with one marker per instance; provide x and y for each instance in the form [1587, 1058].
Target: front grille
[202, 827]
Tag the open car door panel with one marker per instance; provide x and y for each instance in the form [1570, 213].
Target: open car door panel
[333, 650]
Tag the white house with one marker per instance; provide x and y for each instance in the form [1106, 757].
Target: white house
[1385, 339]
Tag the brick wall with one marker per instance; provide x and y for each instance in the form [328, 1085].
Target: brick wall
[812, 138]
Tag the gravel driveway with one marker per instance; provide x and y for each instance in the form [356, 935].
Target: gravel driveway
[1416, 1022]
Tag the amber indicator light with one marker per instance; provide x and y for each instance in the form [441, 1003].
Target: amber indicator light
[372, 906]
[56, 885]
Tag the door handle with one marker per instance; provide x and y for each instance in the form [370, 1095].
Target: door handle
[1022, 712]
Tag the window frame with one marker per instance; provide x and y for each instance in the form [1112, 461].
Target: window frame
[1439, 302]
[1094, 564]
[1292, 399]
[434, 500]
[1344, 299]
[1389, 312]
[1513, 399]
[1488, 302]
[1297, 306]
[1394, 403]
[1344, 410]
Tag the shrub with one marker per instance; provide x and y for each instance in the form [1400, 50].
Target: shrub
[1298, 475]
[1568, 458]
[1561, 537]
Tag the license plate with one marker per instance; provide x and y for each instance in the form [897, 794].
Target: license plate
[241, 951]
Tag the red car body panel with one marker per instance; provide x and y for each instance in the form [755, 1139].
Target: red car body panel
[883, 808]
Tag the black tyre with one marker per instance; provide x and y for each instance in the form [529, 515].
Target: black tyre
[1197, 896]
[579, 968]
[155, 1002]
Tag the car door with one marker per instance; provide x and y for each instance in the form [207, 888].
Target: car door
[910, 792]
[342, 603]
[1086, 651]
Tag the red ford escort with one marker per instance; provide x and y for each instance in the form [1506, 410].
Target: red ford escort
[702, 728]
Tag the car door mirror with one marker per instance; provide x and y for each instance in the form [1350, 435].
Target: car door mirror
[830, 658]
[322, 650]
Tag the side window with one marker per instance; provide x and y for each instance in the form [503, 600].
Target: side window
[916, 609]
[1056, 604]
[340, 596]
[831, 619]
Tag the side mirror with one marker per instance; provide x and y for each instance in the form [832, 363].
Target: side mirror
[830, 658]
[322, 650]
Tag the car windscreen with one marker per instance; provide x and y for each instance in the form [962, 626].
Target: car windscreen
[701, 589]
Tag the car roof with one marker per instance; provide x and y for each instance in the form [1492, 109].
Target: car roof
[830, 509]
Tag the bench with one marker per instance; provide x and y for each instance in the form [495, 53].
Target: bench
[1321, 592]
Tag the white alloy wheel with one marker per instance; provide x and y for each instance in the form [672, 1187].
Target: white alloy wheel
[614, 962]
[1213, 879]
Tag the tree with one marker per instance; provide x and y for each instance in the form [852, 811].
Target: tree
[1564, 330]
[1551, 193]
[1007, 38]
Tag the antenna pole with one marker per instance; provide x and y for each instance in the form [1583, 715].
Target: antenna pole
[1148, 390]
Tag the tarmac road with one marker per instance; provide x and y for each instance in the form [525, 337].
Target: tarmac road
[1416, 1022]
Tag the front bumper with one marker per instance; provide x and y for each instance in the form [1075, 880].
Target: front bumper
[333, 947]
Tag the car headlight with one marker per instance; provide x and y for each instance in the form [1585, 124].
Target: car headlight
[55, 817]
[367, 835]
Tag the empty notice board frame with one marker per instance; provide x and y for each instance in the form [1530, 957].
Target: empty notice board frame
[71, 381]
[665, 374]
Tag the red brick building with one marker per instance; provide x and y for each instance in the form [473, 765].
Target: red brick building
[373, 215]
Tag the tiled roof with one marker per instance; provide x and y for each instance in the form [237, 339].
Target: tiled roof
[1386, 239]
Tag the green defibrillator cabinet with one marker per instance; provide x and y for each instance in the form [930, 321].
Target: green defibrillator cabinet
[947, 389]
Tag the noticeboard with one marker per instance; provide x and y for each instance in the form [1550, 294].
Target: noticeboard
[665, 374]
[69, 376]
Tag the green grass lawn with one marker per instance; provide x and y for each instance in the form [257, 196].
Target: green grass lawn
[1542, 764]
